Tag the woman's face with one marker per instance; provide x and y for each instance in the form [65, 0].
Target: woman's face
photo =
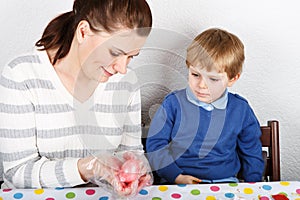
[102, 55]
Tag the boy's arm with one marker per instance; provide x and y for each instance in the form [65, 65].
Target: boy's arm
[157, 145]
[250, 149]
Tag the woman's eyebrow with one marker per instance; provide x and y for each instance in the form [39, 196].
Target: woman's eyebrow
[124, 53]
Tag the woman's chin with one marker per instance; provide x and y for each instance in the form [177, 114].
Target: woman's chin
[103, 79]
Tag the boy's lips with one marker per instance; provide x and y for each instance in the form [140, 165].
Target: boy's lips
[202, 94]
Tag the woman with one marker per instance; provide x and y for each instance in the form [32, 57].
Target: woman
[73, 98]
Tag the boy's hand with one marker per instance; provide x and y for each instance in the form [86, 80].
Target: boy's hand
[186, 179]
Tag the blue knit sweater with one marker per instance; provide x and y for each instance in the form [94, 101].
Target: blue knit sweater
[186, 139]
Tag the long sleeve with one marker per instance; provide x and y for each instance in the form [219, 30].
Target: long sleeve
[44, 130]
[158, 143]
[250, 149]
[23, 165]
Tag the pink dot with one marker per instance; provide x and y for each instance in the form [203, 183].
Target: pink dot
[298, 191]
[6, 190]
[264, 198]
[50, 198]
[90, 192]
[214, 188]
[176, 196]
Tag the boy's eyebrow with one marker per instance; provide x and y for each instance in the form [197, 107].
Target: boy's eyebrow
[211, 74]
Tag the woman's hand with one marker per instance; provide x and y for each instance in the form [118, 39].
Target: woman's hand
[186, 179]
[127, 173]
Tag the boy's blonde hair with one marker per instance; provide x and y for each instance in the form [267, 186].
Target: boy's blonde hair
[217, 49]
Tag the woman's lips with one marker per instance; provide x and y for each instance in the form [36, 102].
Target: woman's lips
[107, 73]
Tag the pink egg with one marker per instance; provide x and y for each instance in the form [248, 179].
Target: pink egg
[129, 171]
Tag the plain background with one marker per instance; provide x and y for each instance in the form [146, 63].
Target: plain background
[269, 29]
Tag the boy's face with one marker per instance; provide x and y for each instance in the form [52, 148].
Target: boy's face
[209, 86]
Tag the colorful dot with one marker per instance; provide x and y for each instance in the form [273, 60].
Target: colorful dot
[156, 198]
[176, 196]
[143, 192]
[163, 188]
[248, 191]
[195, 192]
[181, 185]
[284, 183]
[214, 188]
[285, 194]
[70, 195]
[1, 198]
[298, 191]
[267, 187]
[103, 198]
[50, 198]
[18, 196]
[263, 198]
[233, 184]
[90, 192]
[210, 198]
[229, 195]
[6, 190]
[59, 188]
[39, 191]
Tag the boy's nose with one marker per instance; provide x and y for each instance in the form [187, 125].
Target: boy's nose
[203, 84]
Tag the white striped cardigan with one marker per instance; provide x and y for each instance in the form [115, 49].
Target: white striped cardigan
[44, 130]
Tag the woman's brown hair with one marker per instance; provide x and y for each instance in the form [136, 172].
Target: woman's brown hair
[102, 15]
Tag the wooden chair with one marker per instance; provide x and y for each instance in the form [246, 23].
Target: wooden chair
[270, 140]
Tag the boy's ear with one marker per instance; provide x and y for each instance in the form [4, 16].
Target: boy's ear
[83, 29]
[233, 80]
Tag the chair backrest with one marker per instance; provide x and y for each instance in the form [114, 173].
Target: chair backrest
[270, 140]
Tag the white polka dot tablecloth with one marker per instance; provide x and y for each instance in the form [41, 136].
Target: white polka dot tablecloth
[261, 190]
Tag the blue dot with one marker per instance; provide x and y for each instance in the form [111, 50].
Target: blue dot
[103, 198]
[267, 187]
[59, 188]
[229, 195]
[143, 192]
[181, 185]
[18, 196]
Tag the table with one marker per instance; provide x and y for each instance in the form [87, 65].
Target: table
[226, 191]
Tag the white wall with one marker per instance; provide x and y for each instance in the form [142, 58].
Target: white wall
[269, 30]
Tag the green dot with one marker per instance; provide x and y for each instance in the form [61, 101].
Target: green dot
[70, 195]
[156, 198]
[233, 184]
[285, 194]
[195, 192]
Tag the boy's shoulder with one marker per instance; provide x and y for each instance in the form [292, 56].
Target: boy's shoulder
[238, 97]
[176, 93]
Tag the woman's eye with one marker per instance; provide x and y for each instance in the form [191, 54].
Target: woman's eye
[115, 54]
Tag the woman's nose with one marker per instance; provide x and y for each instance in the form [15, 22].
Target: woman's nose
[120, 64]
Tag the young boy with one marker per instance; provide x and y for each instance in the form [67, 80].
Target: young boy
[204, 133]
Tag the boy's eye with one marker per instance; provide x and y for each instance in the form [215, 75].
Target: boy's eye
[214, 79]
[194, 74]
